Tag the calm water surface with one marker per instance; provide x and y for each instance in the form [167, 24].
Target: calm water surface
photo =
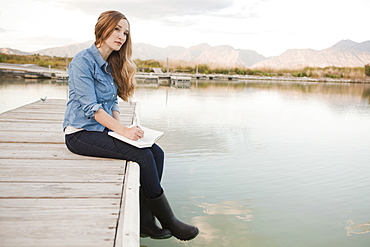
[256, 163]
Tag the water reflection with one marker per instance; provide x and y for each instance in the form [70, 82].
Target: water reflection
[15, 92]
[366, 94]
[298, 87]
[353, 228]
[221, 231]
[287, 150]
[228, 208]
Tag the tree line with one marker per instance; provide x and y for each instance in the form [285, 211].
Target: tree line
[183, 67]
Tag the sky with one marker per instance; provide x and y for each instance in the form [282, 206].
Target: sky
[269, 27]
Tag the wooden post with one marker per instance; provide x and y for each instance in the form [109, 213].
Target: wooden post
[66, 62]
[168, 70]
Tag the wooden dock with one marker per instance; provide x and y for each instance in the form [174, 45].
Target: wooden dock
[181, 81]
[52, 197]
[32, 71]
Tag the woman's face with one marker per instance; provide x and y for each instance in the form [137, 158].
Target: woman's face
[118, 37]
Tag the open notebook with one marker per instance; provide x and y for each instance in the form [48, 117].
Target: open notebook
[150, 137]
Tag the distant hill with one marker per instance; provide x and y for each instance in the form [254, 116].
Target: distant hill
[345, 53]
[13, 51]
[219, 55]
[67, 50]
[199, 54]
[146, 51]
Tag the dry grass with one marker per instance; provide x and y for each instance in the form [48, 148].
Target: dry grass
[209, 68]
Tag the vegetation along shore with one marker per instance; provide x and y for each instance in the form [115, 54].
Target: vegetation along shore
[340, 74]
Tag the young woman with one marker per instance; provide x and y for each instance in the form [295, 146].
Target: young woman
[97, 76]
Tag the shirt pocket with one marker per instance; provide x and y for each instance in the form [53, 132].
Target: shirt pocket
[104, 88]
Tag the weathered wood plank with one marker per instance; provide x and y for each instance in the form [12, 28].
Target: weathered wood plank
[32, 136]
[60, 190]
[61, 222]
[35, 209]
[57, 170]
[41, 151]
[29, 126]
[22, 125]
[128, 225]
[43, 107]
[55, 205]
[52, 111]
[40, 116]
[57, 232]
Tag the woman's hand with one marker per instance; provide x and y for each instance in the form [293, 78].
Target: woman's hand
[133, 133]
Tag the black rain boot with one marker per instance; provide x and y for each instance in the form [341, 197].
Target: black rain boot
[148, 227]
[162, 210]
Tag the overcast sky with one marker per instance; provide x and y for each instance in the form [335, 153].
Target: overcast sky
[268, 27]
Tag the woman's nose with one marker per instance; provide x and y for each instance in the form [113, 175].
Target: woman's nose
[122, 36]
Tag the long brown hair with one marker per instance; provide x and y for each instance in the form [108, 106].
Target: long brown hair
[123, 68]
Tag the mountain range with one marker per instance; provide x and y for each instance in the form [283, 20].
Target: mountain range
[345, 53]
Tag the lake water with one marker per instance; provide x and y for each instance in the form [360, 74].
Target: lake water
[256, 163]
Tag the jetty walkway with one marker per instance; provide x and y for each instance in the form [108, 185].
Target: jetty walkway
[52, 197]
[31, 71]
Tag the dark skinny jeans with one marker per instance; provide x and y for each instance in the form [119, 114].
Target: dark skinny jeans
[100, 144]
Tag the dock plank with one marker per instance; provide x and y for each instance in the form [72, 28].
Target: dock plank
[30, 126]
[58, 233]
[37, 151]
[60, 190]
[57, 170]
[25, 136]
[52, 197]
[39, 116]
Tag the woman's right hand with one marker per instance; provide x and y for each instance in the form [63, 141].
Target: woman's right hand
[133, 133]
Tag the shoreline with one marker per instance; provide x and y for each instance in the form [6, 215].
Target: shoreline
[8, 70]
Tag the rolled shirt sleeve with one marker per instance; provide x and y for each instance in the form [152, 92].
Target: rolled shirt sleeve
[115, 106]
[82, 73]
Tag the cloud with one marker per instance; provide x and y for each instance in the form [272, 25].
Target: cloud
[16, 41]
[142, 9]
[266, 26]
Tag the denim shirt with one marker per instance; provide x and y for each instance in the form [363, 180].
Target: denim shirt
[91, 87]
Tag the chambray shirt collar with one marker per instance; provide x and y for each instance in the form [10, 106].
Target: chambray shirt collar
[98, 58]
